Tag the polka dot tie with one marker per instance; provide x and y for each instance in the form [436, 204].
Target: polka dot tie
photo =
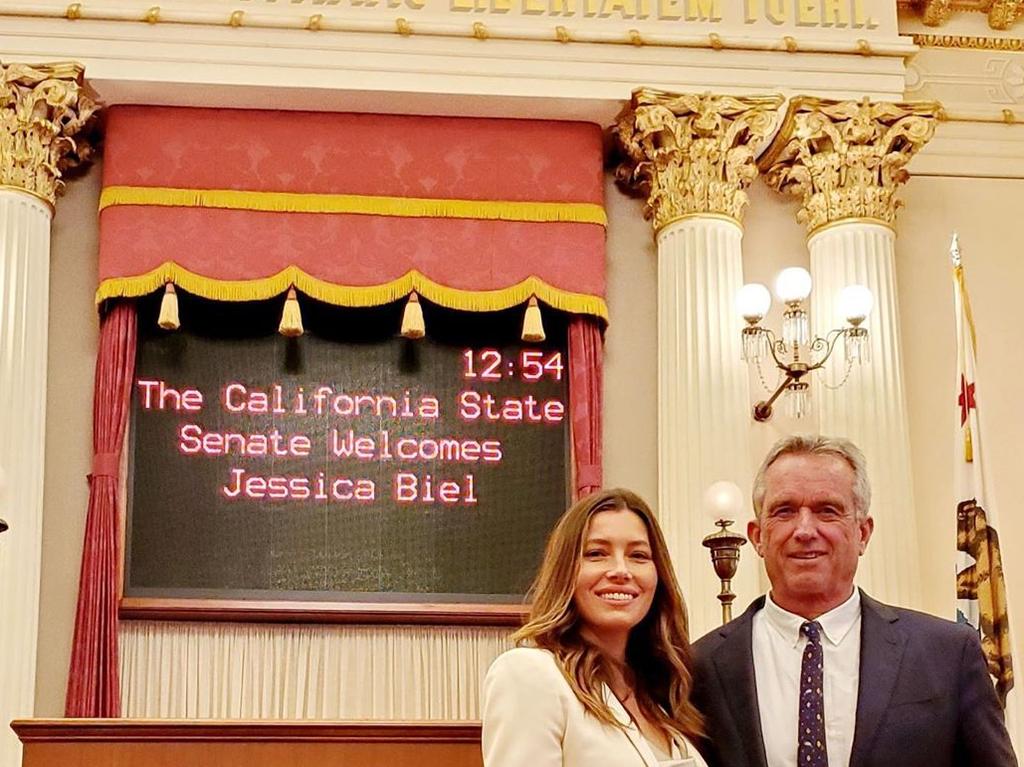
[811, 751]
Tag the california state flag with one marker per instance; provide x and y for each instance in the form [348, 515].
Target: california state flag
[980, 587]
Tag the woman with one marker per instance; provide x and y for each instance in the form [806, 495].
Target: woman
[605, 680]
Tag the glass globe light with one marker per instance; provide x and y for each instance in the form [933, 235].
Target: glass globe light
[793, 284]
[855, 303]
[723, 500]
[753, 302]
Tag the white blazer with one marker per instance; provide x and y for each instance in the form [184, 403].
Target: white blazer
[532, 718]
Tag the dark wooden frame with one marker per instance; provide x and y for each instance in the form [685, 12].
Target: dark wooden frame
[284, 611]
[289, 611]
[240, 743]
[355, 731]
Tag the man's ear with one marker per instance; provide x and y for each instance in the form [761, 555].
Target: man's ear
[865, 528]
[754, 534]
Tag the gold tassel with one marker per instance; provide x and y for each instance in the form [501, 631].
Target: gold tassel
[291, 317]
[412, 318]
[168, 319]
[533, 325]
[968, 445]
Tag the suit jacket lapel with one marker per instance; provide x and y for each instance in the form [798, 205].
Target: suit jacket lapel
[881, 650]
[734, 663]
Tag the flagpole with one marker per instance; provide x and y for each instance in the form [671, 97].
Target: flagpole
[981, 585]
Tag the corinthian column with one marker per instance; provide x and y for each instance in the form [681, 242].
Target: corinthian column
[845, 160]
[692, 157]
[41, 108]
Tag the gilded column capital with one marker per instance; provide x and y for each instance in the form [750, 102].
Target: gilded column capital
[846, 159]
[46, 118]
[692, 154]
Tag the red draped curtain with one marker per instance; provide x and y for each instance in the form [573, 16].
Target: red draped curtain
[586, 356]
[353, 210]
[93, 689]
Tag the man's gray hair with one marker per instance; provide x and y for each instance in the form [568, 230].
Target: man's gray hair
[805, 444]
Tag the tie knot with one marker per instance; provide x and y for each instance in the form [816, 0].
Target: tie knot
[811, 630]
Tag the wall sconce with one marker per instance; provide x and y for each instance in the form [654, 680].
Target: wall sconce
[796, 354]
[723, 501]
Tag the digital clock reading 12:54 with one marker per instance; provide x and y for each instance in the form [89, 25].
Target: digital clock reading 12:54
[529, 365]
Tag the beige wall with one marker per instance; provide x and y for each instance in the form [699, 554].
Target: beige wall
[983, 210]
[986, 213]
[72, 355]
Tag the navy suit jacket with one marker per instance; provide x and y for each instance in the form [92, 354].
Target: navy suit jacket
[924, 699]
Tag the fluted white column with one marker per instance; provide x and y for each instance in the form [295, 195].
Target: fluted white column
[846, 161]
[24, 298]
[703, 401]
[692, 157]
[45, 119]
[870, 408]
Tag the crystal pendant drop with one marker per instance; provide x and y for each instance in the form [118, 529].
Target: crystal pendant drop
[754, 344]
[795, 328]
[798, 399]
[856, 346]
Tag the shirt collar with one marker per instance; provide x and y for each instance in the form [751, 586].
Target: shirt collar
[835, 624]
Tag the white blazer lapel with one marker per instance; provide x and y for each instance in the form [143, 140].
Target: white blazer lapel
[643, 748]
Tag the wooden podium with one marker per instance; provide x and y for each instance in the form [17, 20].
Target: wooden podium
[216, 743]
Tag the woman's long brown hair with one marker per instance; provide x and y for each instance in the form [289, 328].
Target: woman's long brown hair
[658, 655]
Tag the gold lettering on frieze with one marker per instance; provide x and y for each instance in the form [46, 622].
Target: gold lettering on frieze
[810, 13]
[670, 10]
[703, 10]
[835, 13]
[610, 7]
[852, 14]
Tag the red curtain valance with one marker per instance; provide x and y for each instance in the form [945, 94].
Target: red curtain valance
[353, 209]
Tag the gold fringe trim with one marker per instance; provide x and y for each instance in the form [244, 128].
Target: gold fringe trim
[408, 207]
[350, 295]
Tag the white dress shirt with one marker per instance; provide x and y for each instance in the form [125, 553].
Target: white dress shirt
[778, 649]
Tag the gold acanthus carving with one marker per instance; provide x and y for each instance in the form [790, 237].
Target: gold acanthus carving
[846, 159]
[47, 116]
[692, 154]
[935, 13]
[1002, 13]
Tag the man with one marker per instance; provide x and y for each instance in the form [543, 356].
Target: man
[817, 673]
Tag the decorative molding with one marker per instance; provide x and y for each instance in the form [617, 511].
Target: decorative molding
[846, 159]
[691, 154]
[272, 17]
[972, 85]
[133, 62]
[46, 117]
[969, 42]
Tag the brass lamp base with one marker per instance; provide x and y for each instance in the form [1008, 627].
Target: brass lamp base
[725, 557]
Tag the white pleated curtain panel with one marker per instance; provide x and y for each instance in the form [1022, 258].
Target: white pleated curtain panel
[198, 670]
